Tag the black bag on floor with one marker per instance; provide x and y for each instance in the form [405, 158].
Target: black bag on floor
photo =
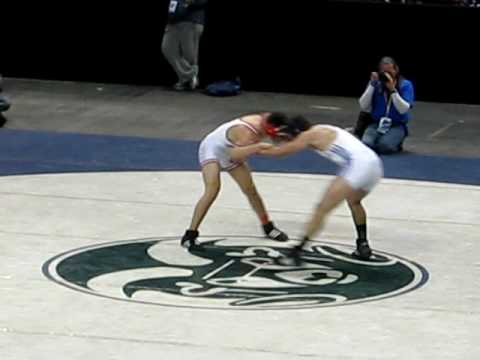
[224, 88]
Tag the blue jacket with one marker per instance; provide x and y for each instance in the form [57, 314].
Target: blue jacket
[180, 11]
[380, 99]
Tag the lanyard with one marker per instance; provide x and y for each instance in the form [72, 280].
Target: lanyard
[389, 104]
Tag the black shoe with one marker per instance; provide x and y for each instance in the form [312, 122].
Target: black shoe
[363, 251]
[188, 239]
[274, 233]
[193, 83]
[182, 86]
[292, 258]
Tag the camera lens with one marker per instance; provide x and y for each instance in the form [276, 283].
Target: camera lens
[383, 77]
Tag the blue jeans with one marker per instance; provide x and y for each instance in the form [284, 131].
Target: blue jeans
[384, 143]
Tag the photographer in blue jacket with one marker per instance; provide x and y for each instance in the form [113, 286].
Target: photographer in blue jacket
[386, 105]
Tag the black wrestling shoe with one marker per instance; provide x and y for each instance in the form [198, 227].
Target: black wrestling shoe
[363, 251]
[189, 239]
[274, 233]
[292, 258]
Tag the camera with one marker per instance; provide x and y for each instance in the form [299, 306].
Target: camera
[383, 78]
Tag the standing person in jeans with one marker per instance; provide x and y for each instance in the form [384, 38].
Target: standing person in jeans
[385, 104]
[186, 19]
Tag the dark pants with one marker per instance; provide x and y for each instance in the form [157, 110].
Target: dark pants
[3, 120]
[4, 106]
[180, 46]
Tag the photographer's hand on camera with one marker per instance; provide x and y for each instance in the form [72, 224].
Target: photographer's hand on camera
[374, 79]
[391, 83]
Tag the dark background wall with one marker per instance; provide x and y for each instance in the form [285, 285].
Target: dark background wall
[305, 46]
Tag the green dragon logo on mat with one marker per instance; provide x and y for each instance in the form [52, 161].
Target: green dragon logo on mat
[234, 273]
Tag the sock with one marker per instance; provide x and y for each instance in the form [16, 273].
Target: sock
[264, 219]
[362, 232]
